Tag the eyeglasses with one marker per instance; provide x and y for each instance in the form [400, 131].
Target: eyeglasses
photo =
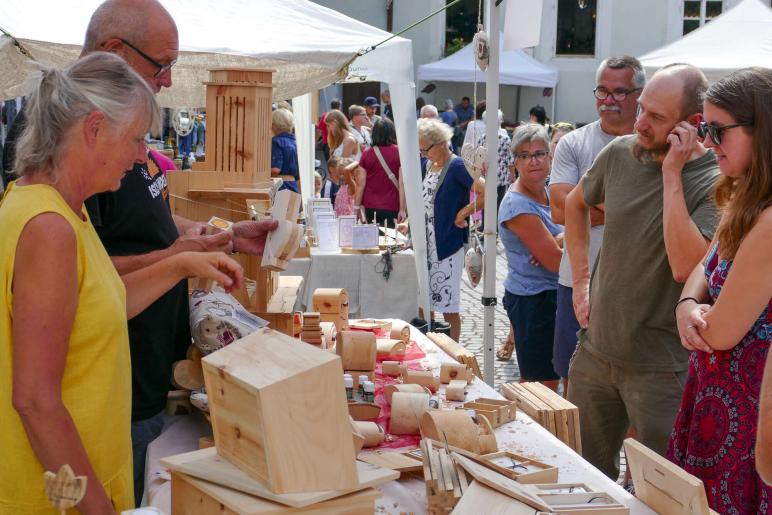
[162, 68]
[427, 149]
[714, 131]
[538, 155]
[618, 95]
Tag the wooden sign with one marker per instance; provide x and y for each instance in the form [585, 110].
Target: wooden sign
[64, 489]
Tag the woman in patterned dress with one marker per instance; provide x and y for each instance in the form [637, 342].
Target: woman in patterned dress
[725, 313]
[446, 189]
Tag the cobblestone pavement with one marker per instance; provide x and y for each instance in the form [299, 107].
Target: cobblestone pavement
[472, 322]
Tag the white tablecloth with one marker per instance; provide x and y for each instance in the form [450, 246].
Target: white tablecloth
[523, 436]
[370, 295]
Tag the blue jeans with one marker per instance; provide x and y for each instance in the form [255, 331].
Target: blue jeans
[142, 433]
[566, 327]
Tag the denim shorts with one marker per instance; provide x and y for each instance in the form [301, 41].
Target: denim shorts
[533, 318]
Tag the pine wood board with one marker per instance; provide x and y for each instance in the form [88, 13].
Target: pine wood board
[479, 498]
[456, 351]
[195, 496]
[206, 464]
[391, 460]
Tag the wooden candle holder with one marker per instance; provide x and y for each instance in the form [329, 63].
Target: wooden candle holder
[406, 412]
[400, 330]
[357, 350]
[451, 371]
[391, 348]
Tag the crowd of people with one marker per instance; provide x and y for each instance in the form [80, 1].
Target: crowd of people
[637, 249]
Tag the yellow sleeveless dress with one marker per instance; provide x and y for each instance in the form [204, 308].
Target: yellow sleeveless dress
[96, 386]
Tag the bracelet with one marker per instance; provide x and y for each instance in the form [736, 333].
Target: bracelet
[680, 301]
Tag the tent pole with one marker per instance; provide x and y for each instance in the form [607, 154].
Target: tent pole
[492, 142]
[554, 96]
[517, 105]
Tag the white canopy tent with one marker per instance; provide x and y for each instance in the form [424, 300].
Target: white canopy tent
[516, 68]
[308, 45]
[739, 38]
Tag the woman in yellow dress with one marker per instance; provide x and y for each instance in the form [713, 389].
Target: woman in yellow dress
[65, 371]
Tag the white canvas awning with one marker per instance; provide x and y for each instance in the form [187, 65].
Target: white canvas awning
[516, 68]
[739, 38]
[308, 46]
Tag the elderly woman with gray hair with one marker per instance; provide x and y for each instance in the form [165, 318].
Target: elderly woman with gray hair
[65, 371]
[534, 246]
[446, 189]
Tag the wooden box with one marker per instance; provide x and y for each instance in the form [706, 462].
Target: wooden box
[506, 411]
[520, 468]
[279, 413]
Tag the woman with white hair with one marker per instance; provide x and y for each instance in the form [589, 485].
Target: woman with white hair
[284, 150]
[534, 247]
[65, 371]
[446, 190]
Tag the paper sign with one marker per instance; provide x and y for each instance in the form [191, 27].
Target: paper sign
[220, 223]
[346, 230]
[364, 237]
[522, 24]
[327, 234]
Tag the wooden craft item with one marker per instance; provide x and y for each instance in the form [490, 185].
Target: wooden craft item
[457, 428]
[279, 413]
[391, 389]
[391, 368]
[356, 373]
[423, 377]
[479, 498]
[339, 319]
[372, 432]
[544, 406]
[219, 223]
[445, 483]
[451, 371]
[406, 412]
[206, 464]
[178, 402]
[520, 468]
[455, 391]
[329, 335]
[363, 410]
[370, 324]
[590, 503]
[662, 485]
[400, 462]
[400, 330]
[490, 413]
[456, 351]
[357, 437]
[205, 442]
[330, 300]
[187, 375]
[357, 350]
[507, 410]
[501, 484]
[64, 489]
[282, 243]
[391, 348]
[192, 496]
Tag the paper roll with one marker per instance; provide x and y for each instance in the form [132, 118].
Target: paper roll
[400, 330]
[391, 348]
[391, 389]
[406, 412]
[357, 350]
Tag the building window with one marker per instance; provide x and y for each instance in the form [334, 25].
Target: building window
[576, 28]
[699, 12]
[460, 25]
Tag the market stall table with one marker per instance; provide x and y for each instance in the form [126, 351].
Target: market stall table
[370, 294]
[408, 495]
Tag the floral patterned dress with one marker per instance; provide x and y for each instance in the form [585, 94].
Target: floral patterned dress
[715, 431]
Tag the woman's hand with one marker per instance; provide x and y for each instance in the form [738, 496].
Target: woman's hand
[461, 220]
[689, 319]
[401, 216]
[213, 265]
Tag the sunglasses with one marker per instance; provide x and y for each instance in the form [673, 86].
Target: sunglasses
[714, 131]
[162, 68]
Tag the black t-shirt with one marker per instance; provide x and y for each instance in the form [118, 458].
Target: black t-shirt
[136, 219]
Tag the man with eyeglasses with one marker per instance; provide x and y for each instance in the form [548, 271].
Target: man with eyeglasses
[655, 189]
[136, 225]
[619, 81]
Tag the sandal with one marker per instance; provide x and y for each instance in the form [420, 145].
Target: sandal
[504, 353]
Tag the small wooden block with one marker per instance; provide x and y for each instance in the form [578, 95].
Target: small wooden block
[371, 325]
[455, 391]
[452, 371]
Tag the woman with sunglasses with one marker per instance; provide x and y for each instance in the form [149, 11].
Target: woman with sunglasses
[724, 315]
[446, 190]
[534, 247]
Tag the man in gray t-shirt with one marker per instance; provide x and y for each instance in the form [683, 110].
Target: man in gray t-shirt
[618, 84]
[655, 188]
